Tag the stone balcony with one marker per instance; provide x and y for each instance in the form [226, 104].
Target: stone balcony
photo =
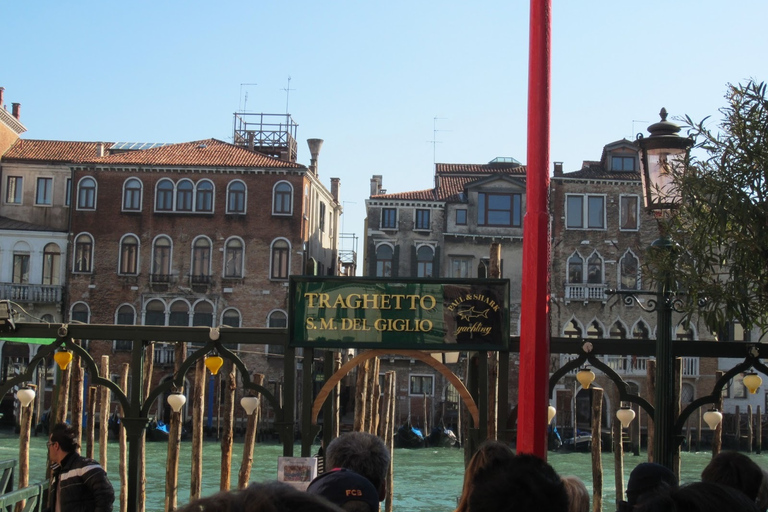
[31, 293]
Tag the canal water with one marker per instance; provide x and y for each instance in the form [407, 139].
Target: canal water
[426, 480]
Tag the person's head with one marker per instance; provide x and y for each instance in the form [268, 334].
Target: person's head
[523, 483]
[578, 496]
[487, 454]
[648, 478]
[363, 453]
[735, 470]
[698, 497]
[347, 489]
[62, 442]
[262, 497]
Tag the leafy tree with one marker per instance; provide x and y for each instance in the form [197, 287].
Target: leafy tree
[721, 226]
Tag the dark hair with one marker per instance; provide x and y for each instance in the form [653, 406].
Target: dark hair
[578, 496]
[524, 483]
[735, 470]
[262, 497]
[699, 497]
[363, 453]
[66, 436]
[488, 453]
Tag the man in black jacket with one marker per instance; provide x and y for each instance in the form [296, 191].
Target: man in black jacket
[77, 484]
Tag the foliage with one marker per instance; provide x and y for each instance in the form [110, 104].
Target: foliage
[721, 226]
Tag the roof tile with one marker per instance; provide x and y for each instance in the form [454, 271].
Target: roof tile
[53, 151]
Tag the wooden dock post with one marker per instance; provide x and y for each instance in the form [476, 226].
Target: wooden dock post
[62, 397]
[25, 424]
[597, 462]
[618, 459]
[717, 440]
[78, 373]
[90, 424]
[198, 401]
[361, 394]
[122, 438]
[104, 413]
[244, 475]
[227, 425]
[389, 440]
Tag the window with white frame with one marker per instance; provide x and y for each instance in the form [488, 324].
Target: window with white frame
[236, 197]
[233, 258]
[461, 217]
[231, 317]
[641, 331]
[595, 269]
[83, 254]
[321, 216]
[204, 196]
[281, 255]
[421, 385]
[584, 211]
[14, 186]
[154, 312]
[86, 194]
[132, 189]
[282, 199]
[129, 255]
[575, 269]
[125, 315]
[277, 319]
[161, 260]
[80, 313]
[425, 256]
[44, 192]
[184, 196]
[164, 196]
[52, 264]
[178, 314]
[422, 219]
[20, 267]
[384, 257]
[388, 218]
[629, 271]
[461, 267]
[623, 163]
[203, 314]
[629, 210]
[68, 192]
[201, 260]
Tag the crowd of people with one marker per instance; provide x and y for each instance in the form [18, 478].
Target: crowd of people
[496, 480]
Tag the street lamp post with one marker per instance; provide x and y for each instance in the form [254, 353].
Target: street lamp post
[662, 154]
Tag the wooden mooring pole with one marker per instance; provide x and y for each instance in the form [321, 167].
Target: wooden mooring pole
[90, 424]
[244, 475]
[25, 425]
[122, 437]
[597, 461]
[104, 413]
[717, 439]
[618, 459]
[198, 401]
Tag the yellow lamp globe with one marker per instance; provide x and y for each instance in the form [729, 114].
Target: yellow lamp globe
[63, 358]
[214, 363]
[752, 381]
[625, 415]
[551, 411]
[585, 377]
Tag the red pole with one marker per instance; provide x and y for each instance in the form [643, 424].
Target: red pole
[534, 330]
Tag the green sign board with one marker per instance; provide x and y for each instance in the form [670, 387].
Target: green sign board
[450, 314]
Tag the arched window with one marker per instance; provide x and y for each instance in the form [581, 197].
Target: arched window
[83, 254]
[424, 256]
[164, 196]
[629, 278]
[129, 255]
[575, 269]
[154, 312]
[233, 258]
[572, 329]
[52, 264]
[281, 255]
[21, 263]
[204, 199]
[618, 330]
[684, 331]
[595, 269]
[161, 260]
[594, 330]
[80, 313]
[282, 199]
[184, 192]
[125, 315]
[231, 317]
[179, 315]
[641, 331]
[86, 194]
[384, 255]
[203, 314]
[277, 318]
[236, 197]
[132, 195]
[201, 260]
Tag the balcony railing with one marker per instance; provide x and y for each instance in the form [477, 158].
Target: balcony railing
[35, 293]
[585, 292]
[635, 365]
[200, 279]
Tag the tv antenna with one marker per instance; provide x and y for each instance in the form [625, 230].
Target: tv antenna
[287, 92]
[434, 140]
[634, 133]
[243, 104]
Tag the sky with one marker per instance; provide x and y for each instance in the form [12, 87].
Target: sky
[391, 87]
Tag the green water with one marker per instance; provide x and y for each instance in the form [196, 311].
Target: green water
[426, 480]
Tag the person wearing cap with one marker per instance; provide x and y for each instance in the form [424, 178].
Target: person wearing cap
[347, 489]
[647, 479]
[363, 453]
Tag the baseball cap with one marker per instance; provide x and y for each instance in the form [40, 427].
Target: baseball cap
[341, 486]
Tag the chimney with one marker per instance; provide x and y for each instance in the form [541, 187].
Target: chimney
[335, 188]
[558, 168]
[375, 184]
[2, 93]
[314, 150]
[16, 110]
[100, 149]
